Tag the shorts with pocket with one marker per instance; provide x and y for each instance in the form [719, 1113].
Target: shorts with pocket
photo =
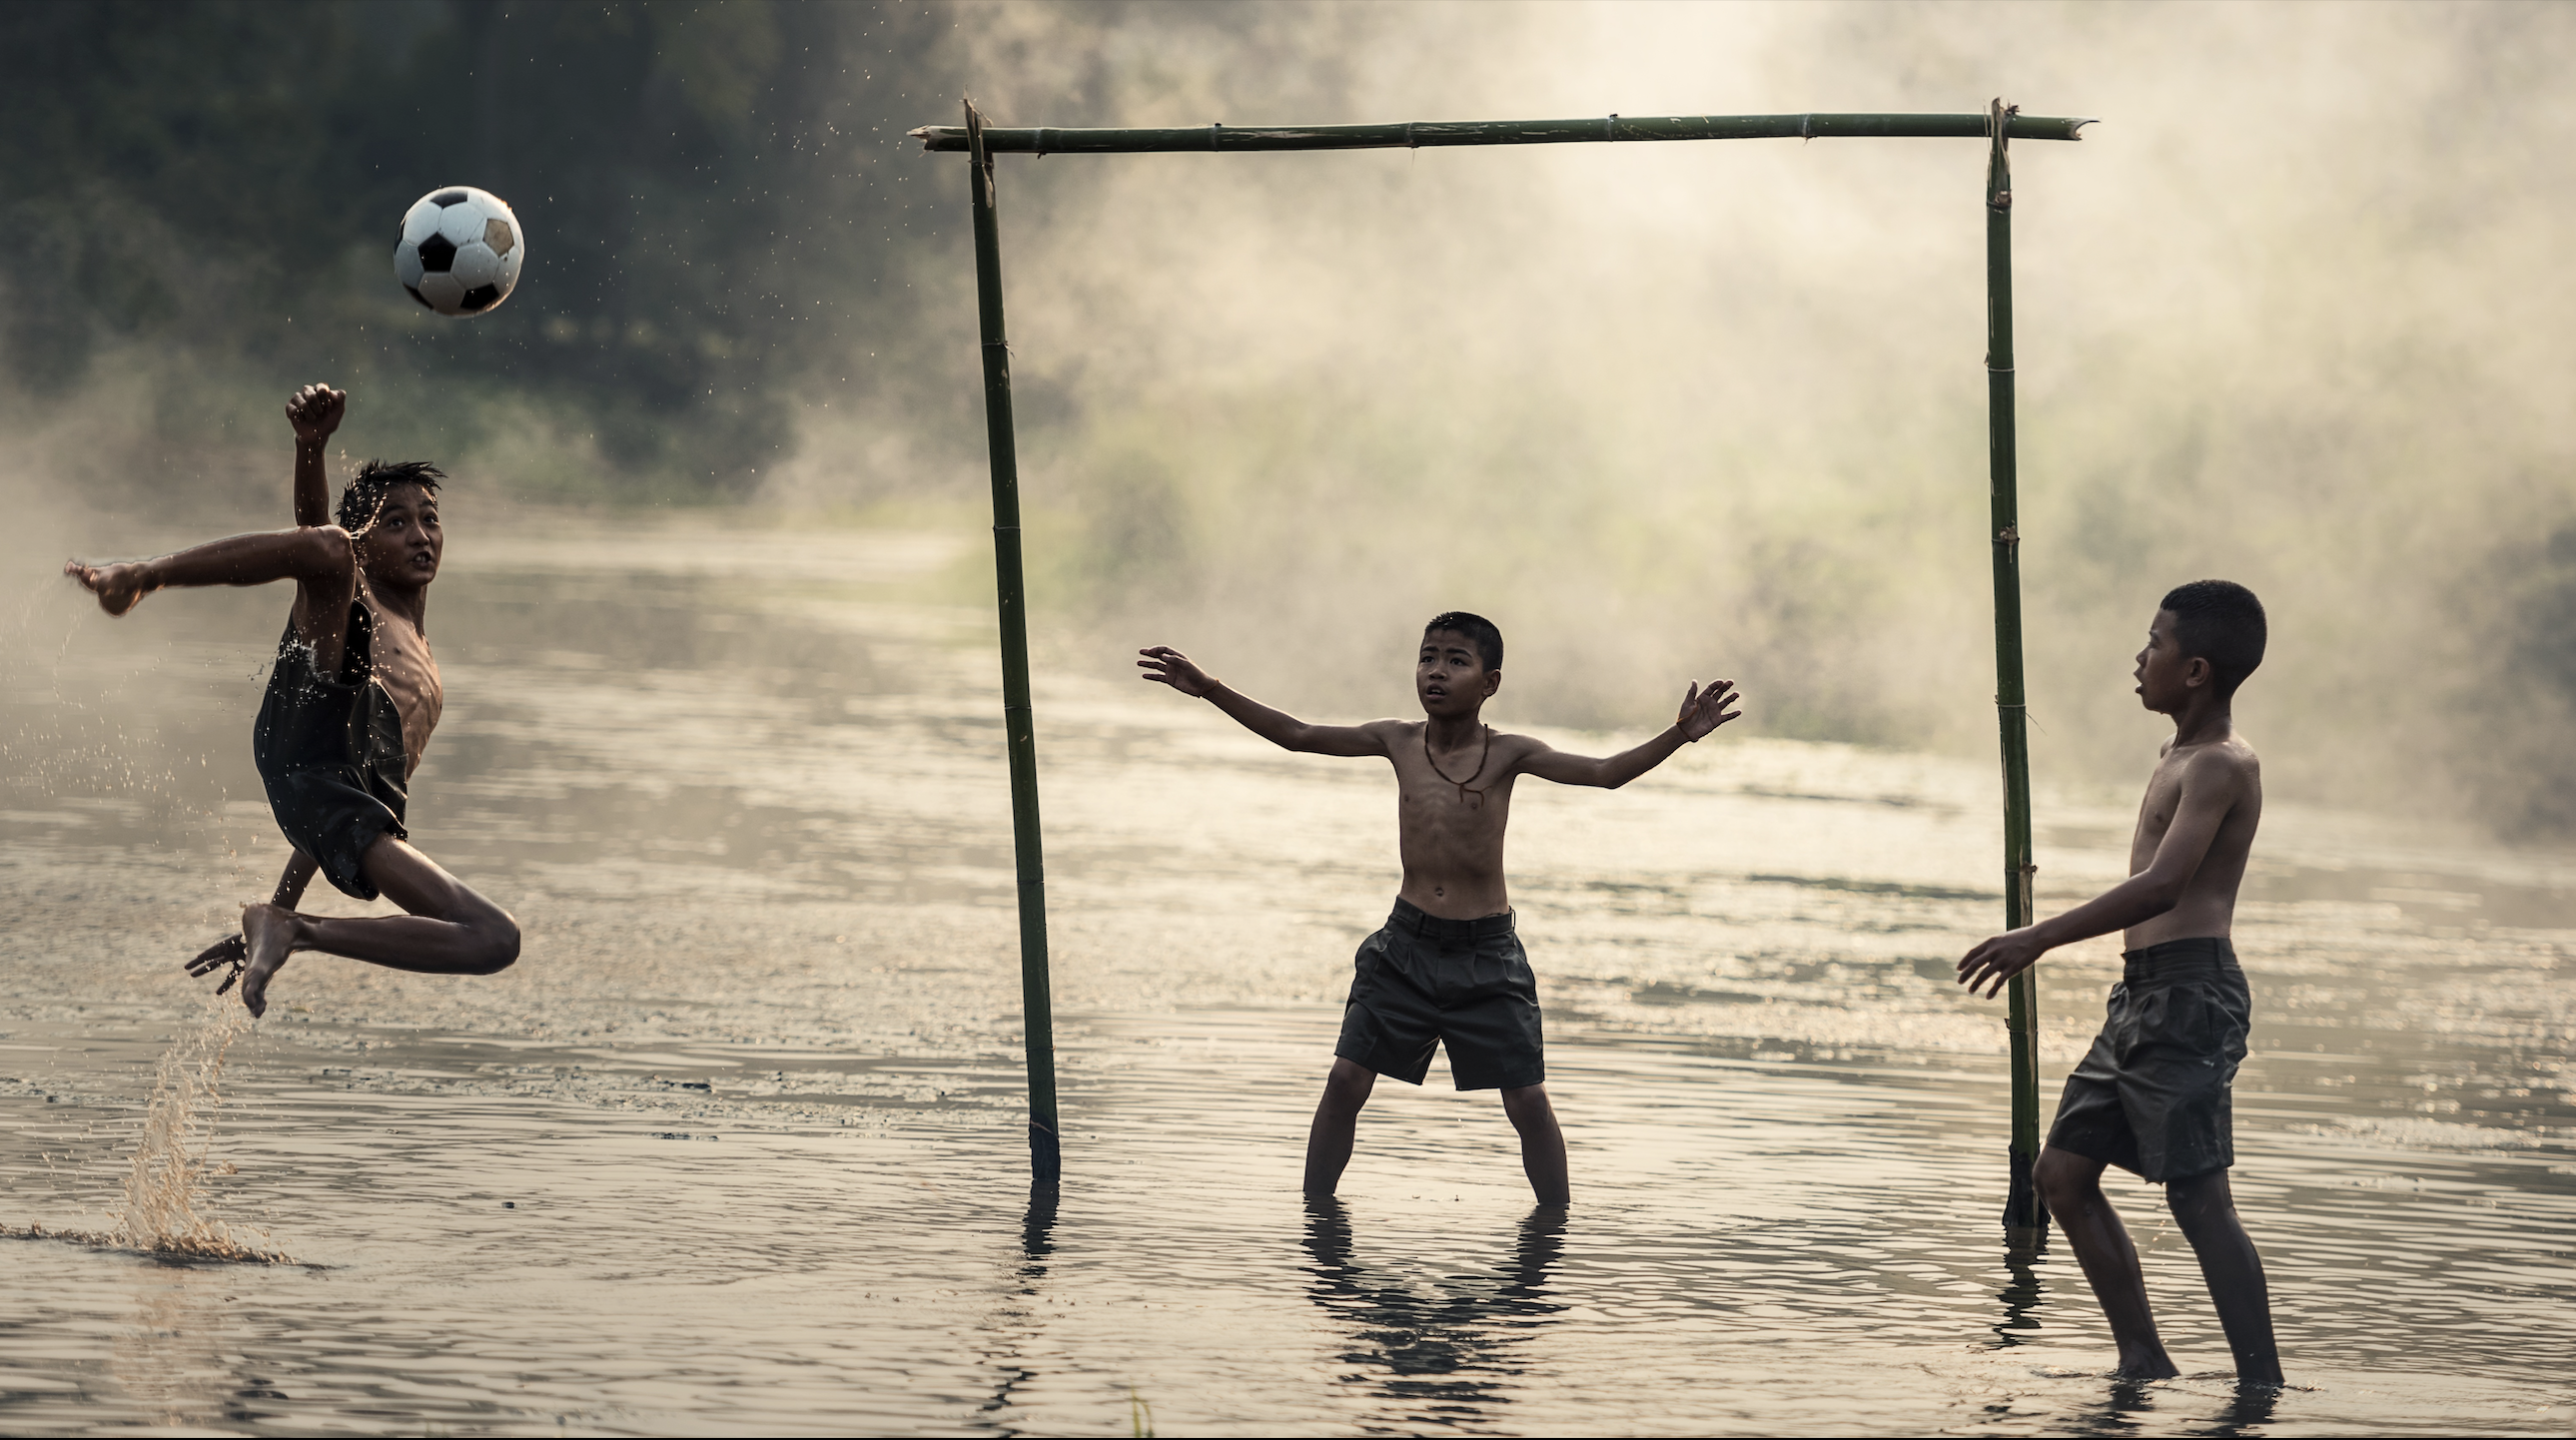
[2152, 1094]
[1424, 981]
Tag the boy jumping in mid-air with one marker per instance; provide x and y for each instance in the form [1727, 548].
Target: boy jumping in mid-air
[350, 706]
[2152, 1094]
[1447, 969]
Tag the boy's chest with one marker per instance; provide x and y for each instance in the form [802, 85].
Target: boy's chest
[408, 671]
[2156, 813]
[1429, 805]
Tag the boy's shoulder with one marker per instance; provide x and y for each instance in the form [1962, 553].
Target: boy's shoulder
[2226, 760]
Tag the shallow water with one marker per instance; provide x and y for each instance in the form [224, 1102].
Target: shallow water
[737, 1145]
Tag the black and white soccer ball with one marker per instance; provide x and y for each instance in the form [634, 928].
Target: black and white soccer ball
[461, 250]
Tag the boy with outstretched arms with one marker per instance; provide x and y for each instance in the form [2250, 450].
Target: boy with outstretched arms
[351, 703]
[1447, 969]
[2152, 1094]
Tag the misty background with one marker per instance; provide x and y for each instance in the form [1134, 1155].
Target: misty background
[2295, 313]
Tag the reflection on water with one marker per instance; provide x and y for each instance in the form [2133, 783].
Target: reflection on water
[2022, 1294]
[1441, 1347]
[738, 1142]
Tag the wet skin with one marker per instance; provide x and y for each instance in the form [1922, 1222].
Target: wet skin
[1454, 778]
[2195, 831]
[387, 565]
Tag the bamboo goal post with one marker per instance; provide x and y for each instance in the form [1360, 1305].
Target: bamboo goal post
[2024, 1216]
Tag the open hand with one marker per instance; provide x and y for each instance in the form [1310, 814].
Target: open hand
[118, 587]
[1705, 710]
[315, 412]
[230, 950]
[1168, 666]
[1996, 960]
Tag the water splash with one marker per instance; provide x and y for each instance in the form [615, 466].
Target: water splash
[167, 1208]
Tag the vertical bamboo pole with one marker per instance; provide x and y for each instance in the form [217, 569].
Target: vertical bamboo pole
[2022, 1208]
[1019, 722]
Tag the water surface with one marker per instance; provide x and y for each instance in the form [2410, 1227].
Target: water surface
[737, 1145]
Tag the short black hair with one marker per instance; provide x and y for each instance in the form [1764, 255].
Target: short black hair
[366, 493]
[1482, 633]
[2221, 622]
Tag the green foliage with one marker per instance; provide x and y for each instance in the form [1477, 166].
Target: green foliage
[710, 212]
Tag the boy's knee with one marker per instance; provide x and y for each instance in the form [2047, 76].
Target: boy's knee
[1526, 1105]
[1349, 1083]
[496, 942]
[2196, 1200]
[2064, 1180]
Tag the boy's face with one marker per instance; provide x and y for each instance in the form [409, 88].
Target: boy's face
[401, 549]
[2166, 677]
[1450, 679]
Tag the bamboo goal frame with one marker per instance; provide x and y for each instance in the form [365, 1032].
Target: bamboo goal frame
[2024, 1216]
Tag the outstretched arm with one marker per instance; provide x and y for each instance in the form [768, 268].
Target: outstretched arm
[316, 552]
[1702, 712]
[2211, 785]
[319, 555]
[315, 412]
[1167, 666]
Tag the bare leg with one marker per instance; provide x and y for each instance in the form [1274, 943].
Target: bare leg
[449, 930]
[234, 950]
[2072, 1185]
[1337, 1118]
[2206, 1210]
[1542, 1144]
[291, 881]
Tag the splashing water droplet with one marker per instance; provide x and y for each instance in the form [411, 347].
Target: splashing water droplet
[166, 1199]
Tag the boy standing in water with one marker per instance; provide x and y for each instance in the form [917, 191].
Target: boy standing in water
[350, 706]
[1447, 968]
[2152, 1094]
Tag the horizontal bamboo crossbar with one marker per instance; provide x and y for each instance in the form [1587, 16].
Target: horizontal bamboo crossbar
[1420, 134]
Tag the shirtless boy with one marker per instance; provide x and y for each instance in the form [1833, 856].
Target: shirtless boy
[350, 706]
[1447, 969]
[2152, 1095]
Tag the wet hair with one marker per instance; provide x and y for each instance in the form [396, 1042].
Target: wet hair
[366, 493]
[1480, 632]
[2221, 622]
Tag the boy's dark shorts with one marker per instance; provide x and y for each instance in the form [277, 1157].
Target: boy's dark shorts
[329, 748]
[1424, 981]
[2152, 1094]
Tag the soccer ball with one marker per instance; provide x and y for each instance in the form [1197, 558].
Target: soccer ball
[461, 250]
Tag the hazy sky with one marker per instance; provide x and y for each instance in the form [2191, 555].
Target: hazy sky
[2291, 314]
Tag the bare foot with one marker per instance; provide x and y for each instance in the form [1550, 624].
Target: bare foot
[2144, 1365]
[269, 933]
[231, 950]
[118, 587]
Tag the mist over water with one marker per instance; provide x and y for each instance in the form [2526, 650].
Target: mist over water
[2295, 313]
